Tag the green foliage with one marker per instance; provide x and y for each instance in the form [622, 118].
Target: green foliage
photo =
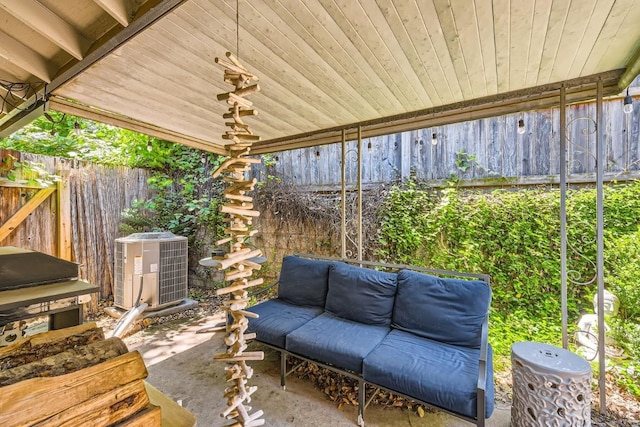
[30, 172]
[515, 237]
[268, 160]
[621, 277]
[464, 160]
[507, 328]
[401, 223]
[628, 376]
[623, 268]
[185, 199]
[627, 333]
[75, 138]
[91, 141]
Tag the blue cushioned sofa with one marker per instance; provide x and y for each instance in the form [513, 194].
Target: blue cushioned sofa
[417, 332]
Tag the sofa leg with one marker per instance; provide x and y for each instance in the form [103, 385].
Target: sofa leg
[480, 412]
[283, 369]
[361, 399]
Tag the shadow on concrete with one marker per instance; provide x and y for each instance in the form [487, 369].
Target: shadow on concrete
[180, 364]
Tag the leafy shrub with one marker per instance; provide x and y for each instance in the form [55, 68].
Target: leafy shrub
[623, 271]
[402, 223]
[623, 267]
[185, 198]
[515, 237]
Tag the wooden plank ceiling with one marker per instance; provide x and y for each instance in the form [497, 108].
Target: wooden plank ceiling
[324, 65]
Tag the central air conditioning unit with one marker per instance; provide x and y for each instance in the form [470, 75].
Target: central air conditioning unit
[153, 262]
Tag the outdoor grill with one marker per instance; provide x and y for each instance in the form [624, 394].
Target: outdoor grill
[33, 284]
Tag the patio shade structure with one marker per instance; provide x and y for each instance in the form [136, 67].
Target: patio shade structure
[330, 70]
[326, 65]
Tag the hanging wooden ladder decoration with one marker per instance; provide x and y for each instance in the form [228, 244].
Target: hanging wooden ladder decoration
[239, 261]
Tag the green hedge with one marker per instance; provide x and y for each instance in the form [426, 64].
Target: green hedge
[515, 237]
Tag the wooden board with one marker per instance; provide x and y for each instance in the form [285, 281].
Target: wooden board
[173, 415]
[151, 416]
[22, 403]
[71, 360]
[48, 343]
[105, 409]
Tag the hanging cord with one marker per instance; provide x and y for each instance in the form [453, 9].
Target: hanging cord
[237, 28]
[15, 92]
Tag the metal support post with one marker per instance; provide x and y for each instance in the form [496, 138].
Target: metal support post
[343, 224]
[283, 369]
[563, 214]
[359, 193]
[600, 160]
[361, 404]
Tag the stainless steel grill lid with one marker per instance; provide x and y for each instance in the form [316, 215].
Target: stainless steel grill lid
[21, 269]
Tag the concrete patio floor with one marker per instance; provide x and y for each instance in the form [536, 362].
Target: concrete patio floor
[180, 364]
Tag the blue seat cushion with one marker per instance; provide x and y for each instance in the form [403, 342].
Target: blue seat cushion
[361, 294]
[277, 319]
[441, 309]
[336, 341]
[440, 374]
[303, 281]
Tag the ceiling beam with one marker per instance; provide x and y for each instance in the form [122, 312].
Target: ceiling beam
[107, 117]
[117, 9]
[20, 92]
[5, 75]
[536, 98]
[12, 97]
[24, 57]
[47, 23]
[163, 8]
[14, 122]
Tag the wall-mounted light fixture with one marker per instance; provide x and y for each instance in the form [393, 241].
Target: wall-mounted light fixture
[434, 139]
[76, 128]
[521, 128]
[628, 103]
[149, 145]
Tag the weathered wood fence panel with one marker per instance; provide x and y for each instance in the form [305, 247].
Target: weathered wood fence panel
[485, 149]
[98, 195]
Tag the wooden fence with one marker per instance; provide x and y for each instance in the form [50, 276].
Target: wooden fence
[87, 203]
[481, 152]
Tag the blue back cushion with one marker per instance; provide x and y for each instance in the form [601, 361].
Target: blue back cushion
[361, 294]
[441, 309]
[303, 281]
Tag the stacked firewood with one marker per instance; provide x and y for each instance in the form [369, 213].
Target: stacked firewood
[74, 377]
[239, 262]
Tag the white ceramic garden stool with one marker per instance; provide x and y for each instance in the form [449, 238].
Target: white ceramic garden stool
[551, 387]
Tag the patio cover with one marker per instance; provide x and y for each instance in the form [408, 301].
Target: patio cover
[325, 65]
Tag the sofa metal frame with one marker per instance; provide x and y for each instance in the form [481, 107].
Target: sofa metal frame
[362, 402]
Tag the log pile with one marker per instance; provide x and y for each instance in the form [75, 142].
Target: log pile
[343, 390]
[239, 261]
[74, 377]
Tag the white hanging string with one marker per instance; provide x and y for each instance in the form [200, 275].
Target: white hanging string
[237, 28]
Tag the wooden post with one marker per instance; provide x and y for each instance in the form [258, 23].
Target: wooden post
[238, 261]
[63, 215]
